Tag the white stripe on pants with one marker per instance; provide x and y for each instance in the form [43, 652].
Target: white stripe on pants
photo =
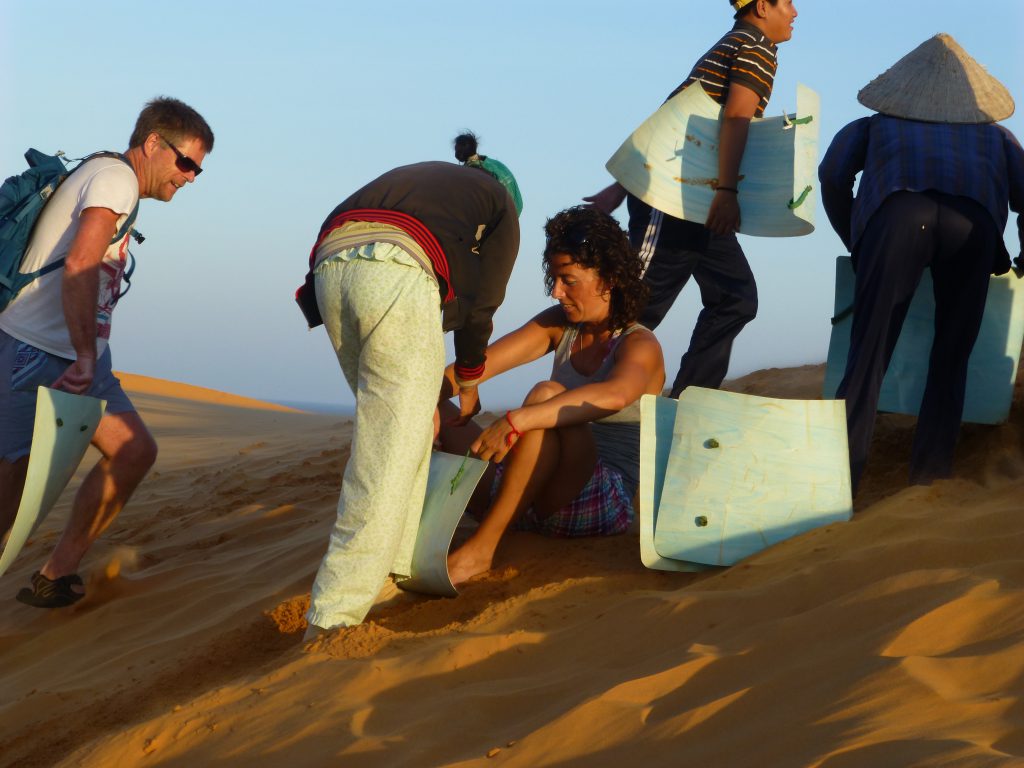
[650, 241]
[384, 321]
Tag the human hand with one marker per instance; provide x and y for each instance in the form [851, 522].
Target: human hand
[495, 441]
[724, 215]
[608, 199]
[77, 377]
[469, 406]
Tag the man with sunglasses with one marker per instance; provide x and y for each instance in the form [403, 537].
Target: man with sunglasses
[55, 332]
[739, 73]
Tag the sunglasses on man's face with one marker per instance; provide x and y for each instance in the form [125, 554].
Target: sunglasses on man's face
[185, 163]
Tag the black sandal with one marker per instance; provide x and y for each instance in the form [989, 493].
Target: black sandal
[51, 593]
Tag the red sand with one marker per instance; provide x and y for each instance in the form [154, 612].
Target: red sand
[893, 640]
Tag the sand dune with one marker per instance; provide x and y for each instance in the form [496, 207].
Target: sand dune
[893, 640]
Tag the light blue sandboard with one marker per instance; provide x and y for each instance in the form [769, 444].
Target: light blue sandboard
[64, 425]
[657, 419]
[450, 486]
[747, 472]
[671, 163]
[992, 367]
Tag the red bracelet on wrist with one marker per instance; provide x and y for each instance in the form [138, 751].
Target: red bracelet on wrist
[516, 432]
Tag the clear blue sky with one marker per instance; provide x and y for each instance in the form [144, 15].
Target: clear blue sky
[309, 100]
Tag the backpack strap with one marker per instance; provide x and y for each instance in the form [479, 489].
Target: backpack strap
[127, 226]
[124, 229]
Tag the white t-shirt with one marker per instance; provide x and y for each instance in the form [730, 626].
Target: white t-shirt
[36, 316]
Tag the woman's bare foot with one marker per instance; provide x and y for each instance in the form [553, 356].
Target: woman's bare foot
[468, 561]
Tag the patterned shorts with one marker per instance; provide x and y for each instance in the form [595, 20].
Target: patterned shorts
[603, 508]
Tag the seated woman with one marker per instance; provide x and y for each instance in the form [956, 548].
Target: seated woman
[570, 455]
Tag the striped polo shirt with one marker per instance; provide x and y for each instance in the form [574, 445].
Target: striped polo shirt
[744, 56]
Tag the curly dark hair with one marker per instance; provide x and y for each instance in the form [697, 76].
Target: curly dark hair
[596, 241]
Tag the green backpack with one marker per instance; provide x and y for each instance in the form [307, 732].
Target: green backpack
[22, 199]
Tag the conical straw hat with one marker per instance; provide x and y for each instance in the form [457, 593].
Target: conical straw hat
[938, 82]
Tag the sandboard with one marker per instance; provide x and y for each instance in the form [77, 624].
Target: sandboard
[657, 419]
[743, 473]
[991, 369]
[671, 163]
[64, 426]
[450, 485]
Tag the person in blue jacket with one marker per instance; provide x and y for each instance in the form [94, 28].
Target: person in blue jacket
[937, 177]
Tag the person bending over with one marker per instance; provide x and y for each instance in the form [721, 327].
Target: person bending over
[567, 460]
[422, 249]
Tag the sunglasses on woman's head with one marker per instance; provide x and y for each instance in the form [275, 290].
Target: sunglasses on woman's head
[184, 163]
[577, 236]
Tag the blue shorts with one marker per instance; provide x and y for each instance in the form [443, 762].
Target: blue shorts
[23, 369]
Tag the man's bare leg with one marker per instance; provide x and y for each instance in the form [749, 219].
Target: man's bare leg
[12, 482]
[128, 453]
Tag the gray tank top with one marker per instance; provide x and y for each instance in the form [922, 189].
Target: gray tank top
[617, 436]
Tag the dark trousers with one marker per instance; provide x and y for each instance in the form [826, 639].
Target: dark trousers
[673, 251]
[912, 231]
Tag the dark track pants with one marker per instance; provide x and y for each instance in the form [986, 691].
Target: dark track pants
[957, 239]
[673, 250]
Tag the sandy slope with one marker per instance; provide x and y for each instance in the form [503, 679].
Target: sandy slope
[894, 640]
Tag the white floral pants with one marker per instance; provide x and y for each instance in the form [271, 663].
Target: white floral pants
[382, 314]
